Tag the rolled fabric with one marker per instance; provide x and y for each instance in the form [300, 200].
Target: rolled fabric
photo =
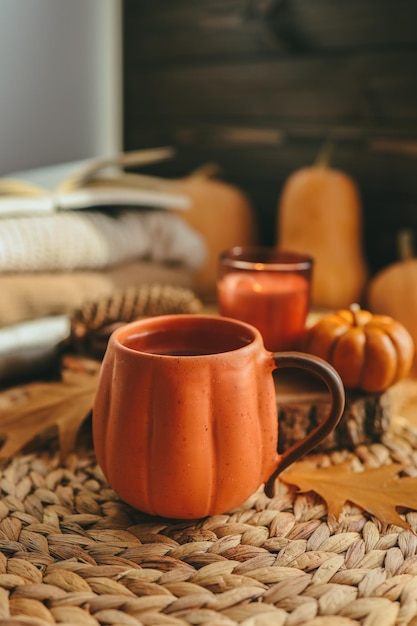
[32, 349]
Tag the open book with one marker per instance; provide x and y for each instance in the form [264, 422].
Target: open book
[89, 184]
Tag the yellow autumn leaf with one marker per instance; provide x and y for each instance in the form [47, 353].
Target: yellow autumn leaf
[379, 491]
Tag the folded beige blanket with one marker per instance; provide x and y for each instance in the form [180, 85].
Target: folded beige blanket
[27, 296]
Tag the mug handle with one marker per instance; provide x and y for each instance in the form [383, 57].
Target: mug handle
[334, 383]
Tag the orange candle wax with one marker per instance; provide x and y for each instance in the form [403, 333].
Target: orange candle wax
[276, 303]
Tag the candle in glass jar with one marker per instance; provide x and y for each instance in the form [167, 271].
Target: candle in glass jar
[276, 303]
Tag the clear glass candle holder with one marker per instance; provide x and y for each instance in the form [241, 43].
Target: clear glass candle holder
[268, 288]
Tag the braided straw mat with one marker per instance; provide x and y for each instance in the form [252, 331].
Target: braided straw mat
[72, 553]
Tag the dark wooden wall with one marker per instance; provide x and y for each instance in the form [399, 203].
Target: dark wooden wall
[258, 85]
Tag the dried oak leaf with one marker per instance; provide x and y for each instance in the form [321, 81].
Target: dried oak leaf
[64, 404]
[379, 491]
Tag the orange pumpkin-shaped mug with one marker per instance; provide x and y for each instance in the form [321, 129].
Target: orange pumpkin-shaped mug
[185, 419]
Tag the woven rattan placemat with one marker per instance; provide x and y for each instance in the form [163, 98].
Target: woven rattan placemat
[72, 553]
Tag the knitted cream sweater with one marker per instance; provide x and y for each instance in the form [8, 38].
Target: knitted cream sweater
[94, 240]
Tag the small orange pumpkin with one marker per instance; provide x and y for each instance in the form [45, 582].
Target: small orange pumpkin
[370, 352]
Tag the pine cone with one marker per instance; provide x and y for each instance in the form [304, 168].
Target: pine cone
[92, 324]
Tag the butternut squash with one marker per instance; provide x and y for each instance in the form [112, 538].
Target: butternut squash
[223, 214]
[320, 214]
